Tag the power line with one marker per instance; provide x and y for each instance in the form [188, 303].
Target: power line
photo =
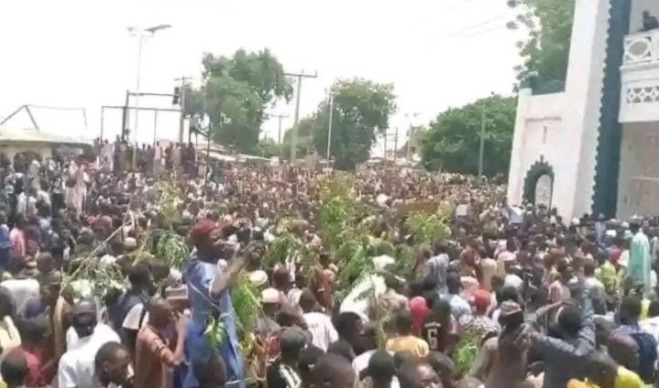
[472, 27]
[482, 32]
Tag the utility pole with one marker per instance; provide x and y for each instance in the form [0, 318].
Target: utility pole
[279, 118]
[296, 118]
[181, 125]
[395, 143]
[410, 134]
[482, 142]
[329, 126]
[387, 137]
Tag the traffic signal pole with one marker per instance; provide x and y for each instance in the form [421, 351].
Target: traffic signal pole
[181, 128]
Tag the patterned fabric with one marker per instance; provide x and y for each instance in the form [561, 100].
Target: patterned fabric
[290, 376]
[480, 325]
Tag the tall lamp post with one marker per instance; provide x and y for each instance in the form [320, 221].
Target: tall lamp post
[329, 125]
[141, 34]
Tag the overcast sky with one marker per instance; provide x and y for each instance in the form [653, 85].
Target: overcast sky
[78, 53]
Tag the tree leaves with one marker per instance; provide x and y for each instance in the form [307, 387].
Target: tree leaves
[549, 23]
[236, 93]
[452, 141]
[361, 110]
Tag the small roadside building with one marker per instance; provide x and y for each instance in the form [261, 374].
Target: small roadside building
[43, 131]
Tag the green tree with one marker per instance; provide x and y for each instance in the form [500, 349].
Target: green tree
[452, 140]
[361, 111]
[546, 51]
[269, 148]
[235, 94]
[304, 143]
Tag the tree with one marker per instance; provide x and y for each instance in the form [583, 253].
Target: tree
[452, 140]
[269, 148]
[304, 143]
[546, 52]
[361, 111]
[235, 94]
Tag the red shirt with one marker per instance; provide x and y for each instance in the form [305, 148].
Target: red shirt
[36, 358]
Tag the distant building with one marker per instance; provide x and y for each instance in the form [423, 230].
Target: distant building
[591, 146]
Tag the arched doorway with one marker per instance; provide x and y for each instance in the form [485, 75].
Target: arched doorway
[543, 190]
[539, 184]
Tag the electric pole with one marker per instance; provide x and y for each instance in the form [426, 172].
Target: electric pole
[184, 82]
[301, 75]
[279, 118]
[387, 137]
[481, 149]
[395, 143]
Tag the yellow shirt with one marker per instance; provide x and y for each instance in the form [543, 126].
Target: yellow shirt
[574, 383]
[408, 343]
[627, 379]
[645, 306]
[624, 379]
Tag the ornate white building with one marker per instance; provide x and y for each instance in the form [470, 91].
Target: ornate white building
[593, 146]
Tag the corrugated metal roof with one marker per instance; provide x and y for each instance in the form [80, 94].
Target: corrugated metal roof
[53, 122]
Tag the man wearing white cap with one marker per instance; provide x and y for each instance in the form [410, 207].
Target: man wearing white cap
[266, 325]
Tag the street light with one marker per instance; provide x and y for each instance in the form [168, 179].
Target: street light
[329, 125]
[141, 34]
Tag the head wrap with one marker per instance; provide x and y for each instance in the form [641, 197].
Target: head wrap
[201, 230]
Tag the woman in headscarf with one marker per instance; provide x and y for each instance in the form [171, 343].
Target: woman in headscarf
[208, 289]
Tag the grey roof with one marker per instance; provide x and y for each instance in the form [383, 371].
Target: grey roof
[45, 122]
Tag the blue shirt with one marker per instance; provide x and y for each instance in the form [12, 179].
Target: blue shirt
[459, 306]
[199, 276]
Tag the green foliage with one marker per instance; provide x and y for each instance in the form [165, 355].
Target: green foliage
[236, 93]
[361, 111]
[337, 214]
[269, 148]
[545, 53]
[304, 144]
[172, 249]
[427, 229]
[452, 140]
[465, 353]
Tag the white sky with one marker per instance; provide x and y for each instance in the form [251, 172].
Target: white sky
[78, 53]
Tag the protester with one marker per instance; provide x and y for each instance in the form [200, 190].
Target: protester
[151, 275]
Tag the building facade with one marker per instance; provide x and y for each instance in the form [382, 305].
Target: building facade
[593, 145]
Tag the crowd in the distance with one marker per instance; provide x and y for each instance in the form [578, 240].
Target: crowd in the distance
[512, 297]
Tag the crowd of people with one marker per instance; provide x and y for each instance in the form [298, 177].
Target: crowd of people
[511, 296]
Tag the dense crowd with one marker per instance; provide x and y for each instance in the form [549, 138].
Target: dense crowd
[93, 295]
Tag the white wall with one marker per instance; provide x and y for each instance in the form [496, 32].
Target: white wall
[584, 96]
[640, 86]
[636, 16]
[571, 118]
[638, 182]
[540, 132]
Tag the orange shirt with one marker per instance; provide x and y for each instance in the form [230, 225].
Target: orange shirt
[154, 360]
[408, 343]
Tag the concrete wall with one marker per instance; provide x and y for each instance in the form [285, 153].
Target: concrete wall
[540, 132]
[638, 182]
[563, 127]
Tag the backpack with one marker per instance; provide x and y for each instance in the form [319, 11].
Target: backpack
[647, 353]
